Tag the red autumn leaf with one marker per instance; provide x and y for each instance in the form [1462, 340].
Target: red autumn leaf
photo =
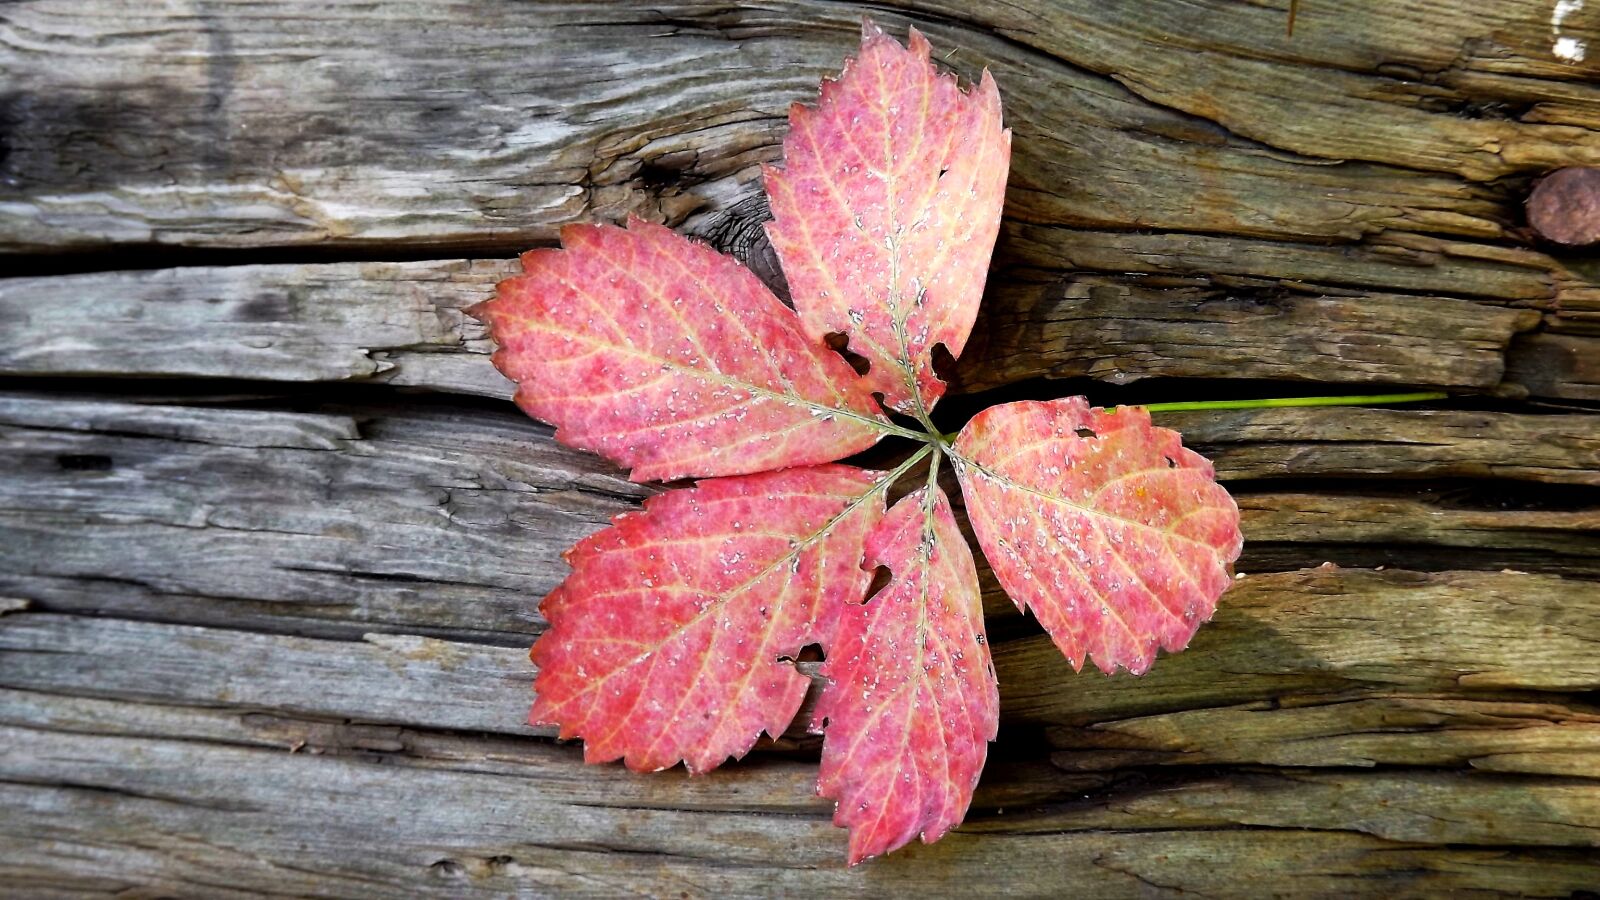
[667, 642]
[887, 208]
[1114, 534]
[674, 636]
[911, 702]
[664, 355]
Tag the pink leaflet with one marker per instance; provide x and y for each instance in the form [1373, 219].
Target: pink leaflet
[886, 211]
[667, 640]
[1118, 542]
[911, 702]
[664, 355]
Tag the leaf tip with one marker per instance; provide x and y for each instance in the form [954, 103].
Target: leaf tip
[918, 44]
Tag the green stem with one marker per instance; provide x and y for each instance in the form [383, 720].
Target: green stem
[1274, 403]
[891, 428]
[913, 459]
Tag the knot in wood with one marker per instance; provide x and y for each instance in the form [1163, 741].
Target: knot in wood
[1564, 207]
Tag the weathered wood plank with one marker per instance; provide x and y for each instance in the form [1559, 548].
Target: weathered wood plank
[1349, 442]
[1340, 633]
[1391, 262]
[212, 817]
[484, 814]
[1557, 365]
[320, 322]
[1452, 88]
[205, 145]
[1345, 648]
[1492, 735]
[502, 165]
[1410, 531]
[384, 678]
[402, 323]
[1109, 329]
[450, 522]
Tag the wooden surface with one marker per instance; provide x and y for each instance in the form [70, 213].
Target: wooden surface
[271, 537]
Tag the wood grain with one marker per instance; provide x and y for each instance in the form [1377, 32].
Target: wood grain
[195, 753]
[443, 522]
[449, 522]
[271, 540]
[205, 147]
[1334, 632]
[208, 144]
[403, 324]
[482, 821]
[1276, 443]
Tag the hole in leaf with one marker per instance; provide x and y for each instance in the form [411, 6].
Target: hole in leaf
[1086, 433]
[944, 362]
[880, 580]
[1171, 463]
[840, 344]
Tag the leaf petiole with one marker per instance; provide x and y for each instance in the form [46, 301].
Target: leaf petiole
[890, 428]
[897, 472]
[1280, 402]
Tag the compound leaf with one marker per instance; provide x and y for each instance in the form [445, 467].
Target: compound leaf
[674, 637]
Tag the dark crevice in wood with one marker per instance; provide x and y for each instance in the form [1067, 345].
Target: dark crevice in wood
[282, 623]
[1448, 493]
[122, 792]
[150, 257]
[957, 408]
[1277, 556]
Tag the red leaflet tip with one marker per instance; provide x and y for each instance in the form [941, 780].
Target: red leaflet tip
[571, 233]
[918, 44]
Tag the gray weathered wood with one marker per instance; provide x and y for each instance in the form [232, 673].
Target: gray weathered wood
[1336, 731]
[205, 144]
[525, 149]
[211, 818]
[266, 633]
[402, 323]
[323, 322]
[201, 756]
[1352, 644]
[1336, 632]
[384, 678]
[450, 522]
[1274, 443]
[1106, 328]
